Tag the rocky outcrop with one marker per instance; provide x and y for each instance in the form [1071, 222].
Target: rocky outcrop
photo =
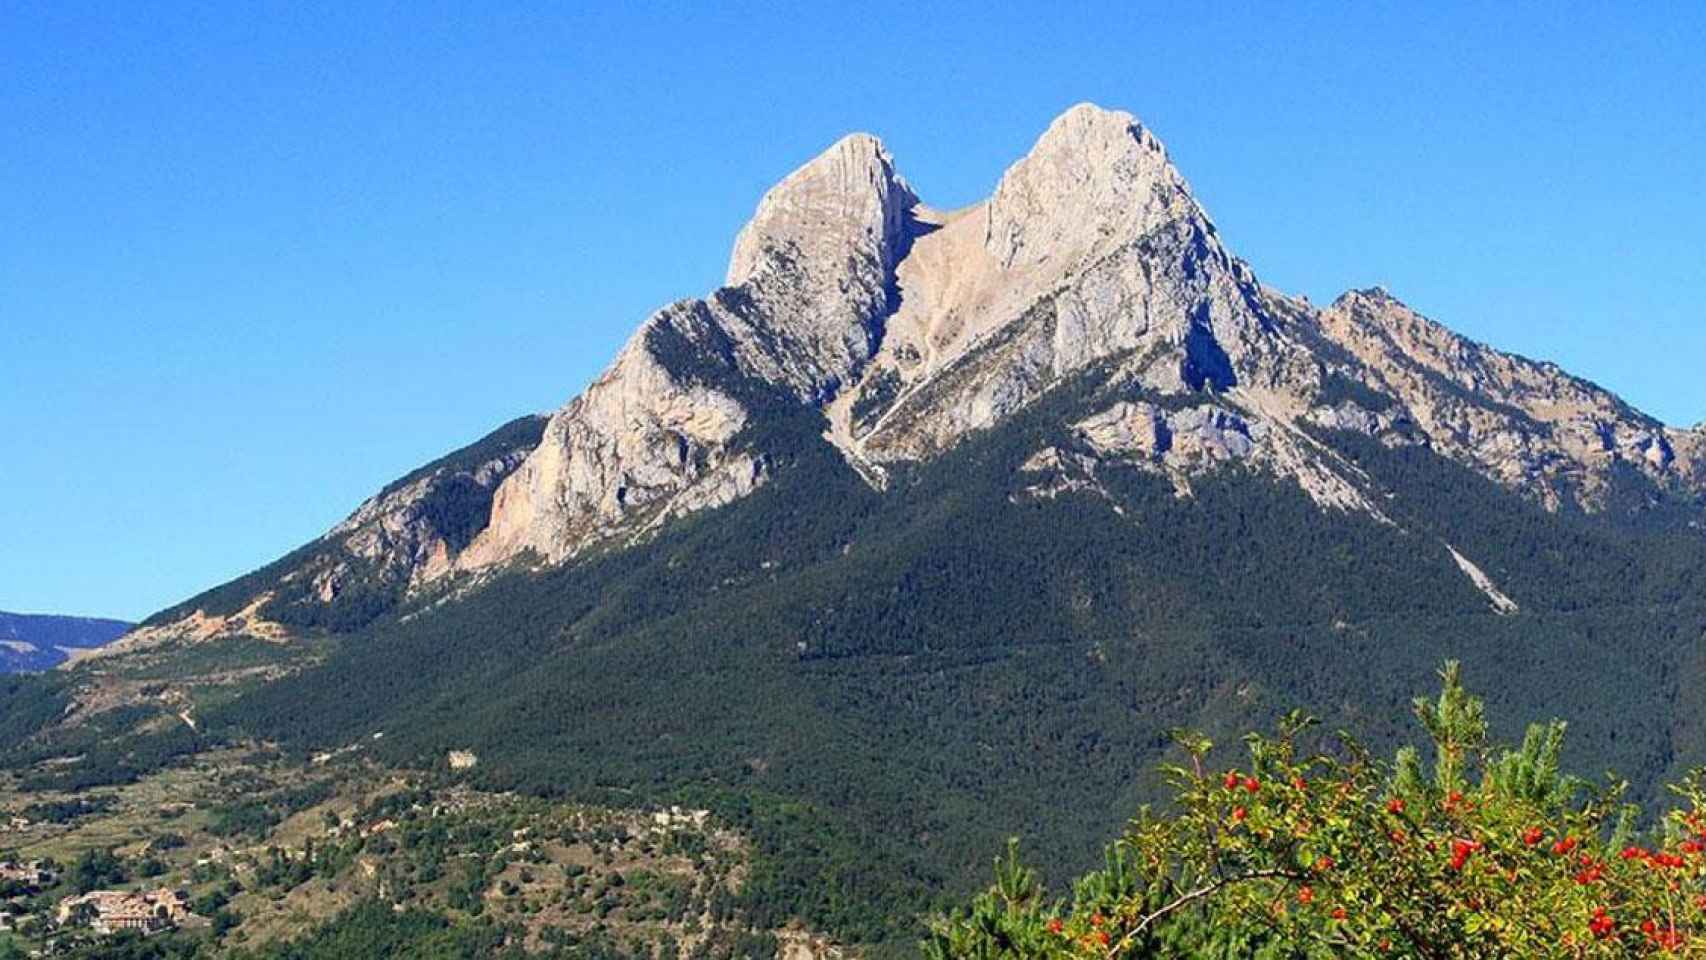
[1094, 181]
[1191, 441]
[637, 437]
[1527, 424]
[410, 530]
[403, 537]
[1092, 250]
[1495, 597]
[1690, 447]
[818, 258]
[810, 283]
[198, 626]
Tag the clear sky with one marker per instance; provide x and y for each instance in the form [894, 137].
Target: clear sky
[256, 260]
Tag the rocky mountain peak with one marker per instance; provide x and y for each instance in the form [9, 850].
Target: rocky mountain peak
[909, 329]
[819, 255]
[810, 281]
[1095, 177]
[847, 200]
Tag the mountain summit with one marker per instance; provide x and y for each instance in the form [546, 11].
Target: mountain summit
[909, 328]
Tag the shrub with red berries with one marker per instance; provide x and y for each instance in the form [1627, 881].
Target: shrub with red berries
[1482, 853]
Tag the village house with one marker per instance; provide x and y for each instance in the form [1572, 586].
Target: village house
[109, 911]
[35, 873]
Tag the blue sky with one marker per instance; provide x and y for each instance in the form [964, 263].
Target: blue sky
[257, 260]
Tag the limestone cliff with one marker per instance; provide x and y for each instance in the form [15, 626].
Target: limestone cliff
[809, 285]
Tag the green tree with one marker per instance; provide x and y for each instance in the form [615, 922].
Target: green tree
[96, 869]
[1479, 853]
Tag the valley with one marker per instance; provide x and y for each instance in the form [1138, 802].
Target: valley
[264, 853]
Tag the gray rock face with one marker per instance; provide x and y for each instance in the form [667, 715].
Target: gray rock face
[1183, 443]
[1690, 447]
[400, 539]
[1092, 250]
[397, 531]
[636, 438]
[1527, 424]
[809, 285]
[819, 255]
[1095, 179]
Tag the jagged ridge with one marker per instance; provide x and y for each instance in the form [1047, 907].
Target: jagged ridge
[910, 328]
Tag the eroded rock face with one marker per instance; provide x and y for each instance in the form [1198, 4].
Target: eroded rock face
[638, 436]
[1095, 179]
[403, 537]
[819, 255]
[1091, 251]
[1690, 448]
[1527, 424]
[1192, 441]
[402, 531]
[809, 284]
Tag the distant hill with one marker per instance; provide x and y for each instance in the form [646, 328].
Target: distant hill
[41, 641]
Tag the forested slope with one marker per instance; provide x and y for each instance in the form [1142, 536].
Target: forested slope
[934, 667]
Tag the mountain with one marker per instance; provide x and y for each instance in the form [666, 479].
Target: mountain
[907, 329]
[39, 641]
[926, 526]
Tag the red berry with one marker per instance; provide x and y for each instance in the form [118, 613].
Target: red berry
[1601, 925]
[1251, 784]
[1395, 805]
[1231, 780]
